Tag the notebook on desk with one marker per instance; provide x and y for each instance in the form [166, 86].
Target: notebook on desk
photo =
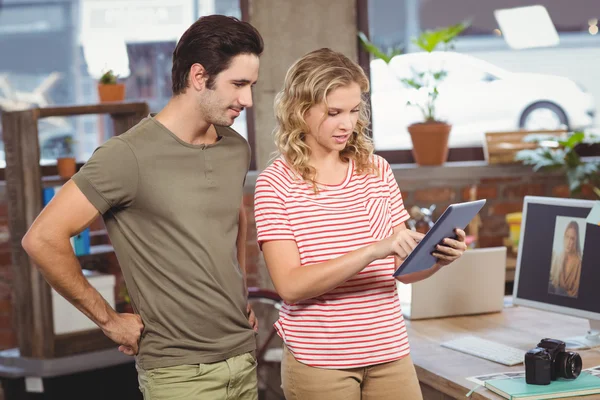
[473, 284]
[517, 388]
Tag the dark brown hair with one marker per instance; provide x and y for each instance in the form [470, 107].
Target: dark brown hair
[212, 41]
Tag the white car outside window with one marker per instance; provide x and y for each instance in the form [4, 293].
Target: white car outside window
[475, 97]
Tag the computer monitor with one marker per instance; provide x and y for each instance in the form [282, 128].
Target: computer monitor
[558, 263]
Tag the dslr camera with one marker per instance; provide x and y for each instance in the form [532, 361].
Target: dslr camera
[549, 361]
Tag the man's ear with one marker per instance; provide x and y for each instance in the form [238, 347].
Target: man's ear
[198, 77]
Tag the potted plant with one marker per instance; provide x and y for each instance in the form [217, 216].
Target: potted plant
[65, 162]
[109, 89]
[429, 136]
[561, 155]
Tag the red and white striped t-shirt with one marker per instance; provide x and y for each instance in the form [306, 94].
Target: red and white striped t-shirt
[360, 322]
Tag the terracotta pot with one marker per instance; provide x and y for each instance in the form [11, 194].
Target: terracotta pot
[430, 142]
[108, 93]
[66, 167]
[588, 192]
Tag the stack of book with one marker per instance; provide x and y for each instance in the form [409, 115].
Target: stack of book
[516, 388]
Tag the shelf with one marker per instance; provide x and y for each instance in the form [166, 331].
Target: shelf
[114, 108]
[81, 342]
[98, 250]
[99, 232]
[99, 258]
[101, 249]
[53, 180]
[25, 181]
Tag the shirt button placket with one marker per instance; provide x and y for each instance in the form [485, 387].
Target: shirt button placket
[208, 168]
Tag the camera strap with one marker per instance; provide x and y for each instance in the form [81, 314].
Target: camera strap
[473, 390]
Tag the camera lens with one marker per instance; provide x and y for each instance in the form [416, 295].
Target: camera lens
[568, 365]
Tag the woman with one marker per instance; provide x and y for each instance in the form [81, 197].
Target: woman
[566, 266]
[330, 222]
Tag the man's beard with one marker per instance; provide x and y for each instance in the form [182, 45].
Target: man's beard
[216, 115]
[222, 119]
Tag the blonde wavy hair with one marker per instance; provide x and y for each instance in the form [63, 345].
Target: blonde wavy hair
[307, 83]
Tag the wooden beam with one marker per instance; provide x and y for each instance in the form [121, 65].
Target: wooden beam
[122, 122]
[116, 108]
[364, 58]
[32, 304]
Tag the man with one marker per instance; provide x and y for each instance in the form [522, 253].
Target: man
[170, 193]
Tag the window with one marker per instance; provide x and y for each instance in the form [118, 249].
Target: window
[489, 87]
[567, 17]
[59, 48]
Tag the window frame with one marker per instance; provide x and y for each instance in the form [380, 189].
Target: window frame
[455, 154]
[51, 170]
[401, 156]
[250, 118]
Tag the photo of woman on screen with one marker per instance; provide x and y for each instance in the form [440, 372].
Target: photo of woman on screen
[565, 272]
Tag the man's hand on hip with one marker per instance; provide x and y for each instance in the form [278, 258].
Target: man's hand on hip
[252, 318]
[126, 330]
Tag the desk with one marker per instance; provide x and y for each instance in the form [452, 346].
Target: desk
[442, 371]
[99, 375]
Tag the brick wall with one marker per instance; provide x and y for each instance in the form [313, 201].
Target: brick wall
[504, 196]
[504, 187]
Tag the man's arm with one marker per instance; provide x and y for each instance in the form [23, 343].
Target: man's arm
[241, 255]
[241, 239]
[48, 243]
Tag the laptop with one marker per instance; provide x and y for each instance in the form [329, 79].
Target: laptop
[473, 284]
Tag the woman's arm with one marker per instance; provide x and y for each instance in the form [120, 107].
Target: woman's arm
[295, 282]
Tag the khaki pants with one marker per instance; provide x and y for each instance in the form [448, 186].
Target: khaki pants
[232, 379]
[396, 380]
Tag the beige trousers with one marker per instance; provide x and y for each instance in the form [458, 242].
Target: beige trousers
[396, 380]
[232, 379]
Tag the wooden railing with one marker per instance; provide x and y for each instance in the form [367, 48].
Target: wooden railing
[32, 301]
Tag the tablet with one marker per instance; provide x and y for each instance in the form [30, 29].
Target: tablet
[456, 216]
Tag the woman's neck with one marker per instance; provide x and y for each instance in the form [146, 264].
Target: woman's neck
[331, 161]
[331, 170]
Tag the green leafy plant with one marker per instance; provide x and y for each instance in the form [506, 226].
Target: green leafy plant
[386, 55]
[67, 148]
[109, 78]
[430, 40]
[428, 81]
[560, 155]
